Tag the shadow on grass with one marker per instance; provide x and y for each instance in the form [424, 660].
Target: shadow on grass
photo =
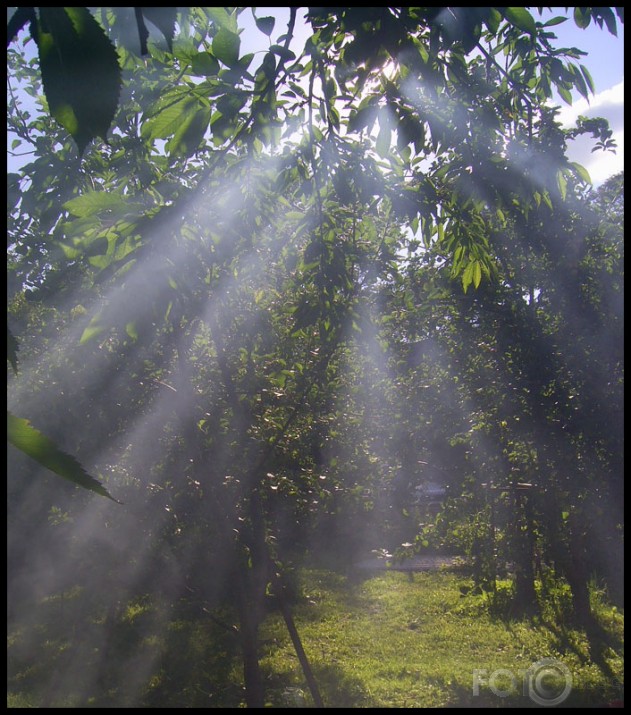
[600, 642]
[337, 688]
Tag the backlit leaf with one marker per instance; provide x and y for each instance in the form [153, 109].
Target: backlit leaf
[94, 328]
[190, 133]
[21, 434]
[226, 46]
[92, 202]
[521, 18]
[565, 94]
[204, 64]
[477, 274]
[222, 18]
[582, 17]
[164, 124]
[467, 276]
[555, 21]
[80, 71]
[588, 79]
[562, 184]
[265, 24]
[581, 172]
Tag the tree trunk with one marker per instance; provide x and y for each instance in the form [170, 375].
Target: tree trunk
[578, 576]
[526, 595]
[249, 629]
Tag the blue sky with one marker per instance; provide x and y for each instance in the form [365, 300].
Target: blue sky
[605, 62]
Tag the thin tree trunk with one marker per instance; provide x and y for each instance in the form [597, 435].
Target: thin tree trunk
[295, 639]
[249, 630]
[577, 574]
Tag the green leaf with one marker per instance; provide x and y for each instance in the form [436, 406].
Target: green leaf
[555, 21]
[578, 81]
[164, 19]
[222, 18]
[21, 434]
[167, 122]
[265, 24]
[383, 141]
[190, 133]
[607, 15]
[94, 328]
[12, 350]
[521, 18]
[582, 17]
[132, 331]
[477, 274]
[588, 79]
[562, 184]
[204, 64]
[492, 21]
[565, 94]
[92, 202]
[283, 52]
[226, 46]
[471, 274]
[80, 71]
[384, 137]
[581, 172]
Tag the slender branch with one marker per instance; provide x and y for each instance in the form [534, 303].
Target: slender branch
[24, 134]
[20, 153]
[228, 627]
[509, 79]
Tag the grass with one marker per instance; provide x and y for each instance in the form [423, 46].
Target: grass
[391, 640]
[395, 642]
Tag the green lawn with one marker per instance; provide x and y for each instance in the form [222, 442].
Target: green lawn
[391, 640]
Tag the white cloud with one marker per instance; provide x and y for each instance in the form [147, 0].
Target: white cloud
[608, 104]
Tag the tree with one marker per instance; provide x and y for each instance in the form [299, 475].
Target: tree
[231, 243]
[539, 371]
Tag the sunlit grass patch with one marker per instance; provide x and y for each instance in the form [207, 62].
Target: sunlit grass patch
[19, 700]
[136, 608]
[395, 642]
